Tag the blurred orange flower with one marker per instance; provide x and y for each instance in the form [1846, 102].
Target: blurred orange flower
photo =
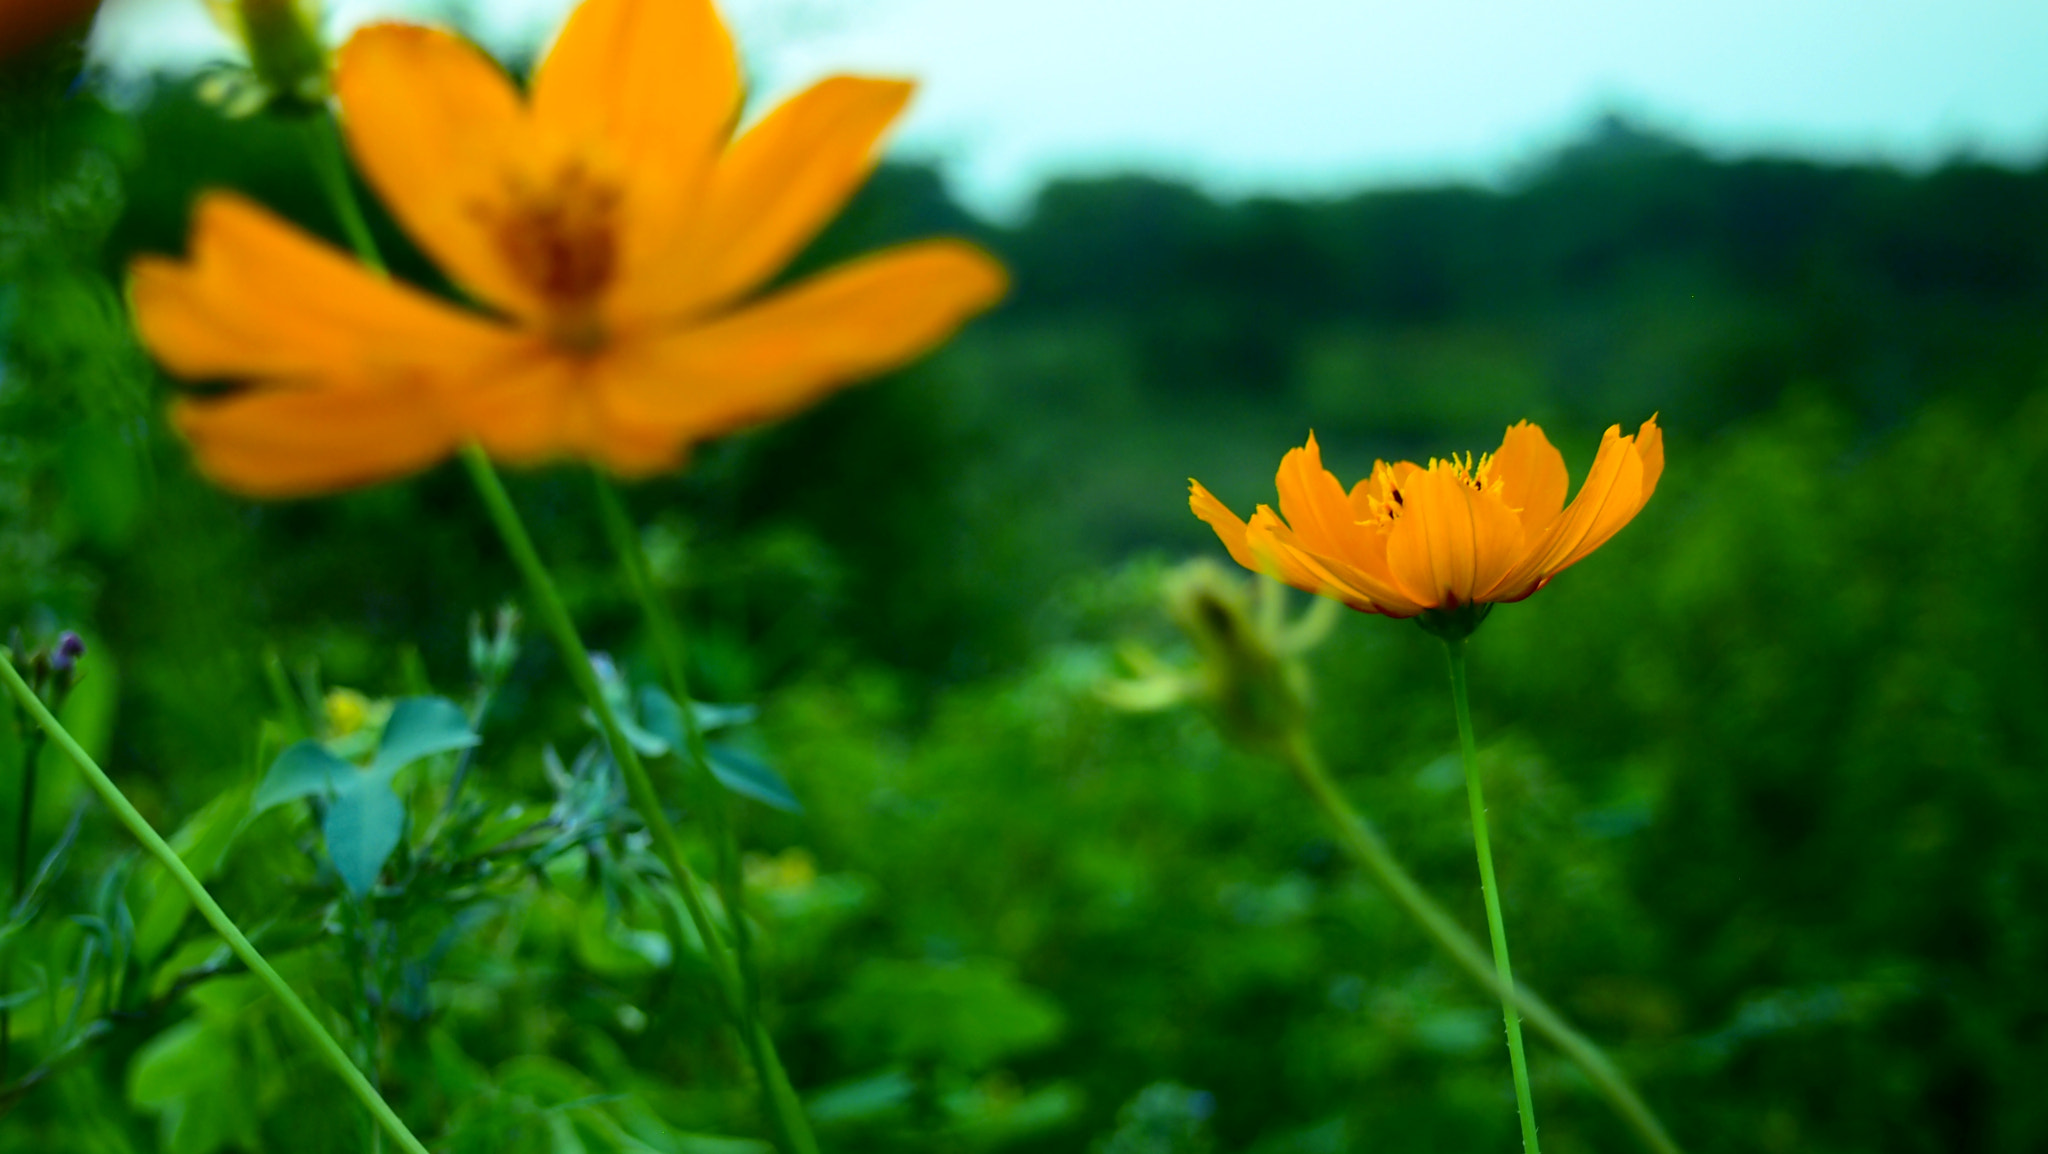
[1450, 535]
[608, 222]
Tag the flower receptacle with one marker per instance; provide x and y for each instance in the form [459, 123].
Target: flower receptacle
[1454, 624]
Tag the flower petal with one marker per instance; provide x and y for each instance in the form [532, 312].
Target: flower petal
[1334, 577]
[771, 193]
[521, 405]
[303, 441]
[1646, 451]
[1227, 524]
[1450, 544]
[1532, 475]
[1650, 444]
[259, 298]
[658, 83]
[1313, 501]
[1611, 495]
[436, 126]
[791, 349]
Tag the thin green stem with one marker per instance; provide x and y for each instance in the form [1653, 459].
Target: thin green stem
[330, 163]
[786, 1115]
[324, 1044]
[696, 754]
[1365, 846]
[1495, 928]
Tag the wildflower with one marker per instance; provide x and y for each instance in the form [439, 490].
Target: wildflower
[791, 871]
[346, 711]
[64, 656]
[608, 225]
[1447, 540]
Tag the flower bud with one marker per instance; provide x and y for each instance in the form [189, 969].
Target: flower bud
[1248, 675]
[64, 657]
[288, 62]
[345, 712]
[1258, 695]
[492, 654]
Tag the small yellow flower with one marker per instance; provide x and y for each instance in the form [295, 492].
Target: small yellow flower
[1437, 539]
[607, 222]
[792, 870]
[346, 710]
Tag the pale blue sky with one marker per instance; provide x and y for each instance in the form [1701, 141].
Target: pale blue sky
[1323, 96]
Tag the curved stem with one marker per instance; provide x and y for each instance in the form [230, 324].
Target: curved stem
[330, 163]
[323, 1043]
[554, 615]
[1495, 928]
[1365, 846]
[668, 645]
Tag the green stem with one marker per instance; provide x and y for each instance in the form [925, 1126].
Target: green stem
[1495, 928]
[1366, 847]
[330, 163]
[323, 1043]
[668, 645]
[786, 1115]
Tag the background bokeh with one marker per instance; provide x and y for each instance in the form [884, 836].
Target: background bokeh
[1766, 771]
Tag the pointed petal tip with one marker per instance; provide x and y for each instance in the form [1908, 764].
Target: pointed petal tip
[1229, 528]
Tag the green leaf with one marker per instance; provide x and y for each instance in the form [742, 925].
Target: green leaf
[967, 1015]
[863, 1099]
[421, 727]
[748, 776]
[659, 713]
[715, 717]
[191, 1076]
[363, 827]
[304, 769]
[646, 742]
[740, 772]
[175, 1063]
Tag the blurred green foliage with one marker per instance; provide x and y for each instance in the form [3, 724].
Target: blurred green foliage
[1766, 770]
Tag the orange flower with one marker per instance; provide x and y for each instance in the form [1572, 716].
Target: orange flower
[609, 224]
[1445, 540]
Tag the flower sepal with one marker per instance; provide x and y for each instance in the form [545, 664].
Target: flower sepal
[1454, 624]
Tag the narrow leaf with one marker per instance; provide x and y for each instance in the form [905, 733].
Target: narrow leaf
[748, 776]
[659, 714]
[712, 717]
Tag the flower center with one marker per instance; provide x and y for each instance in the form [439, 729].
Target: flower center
[559, 235]
[1384, 504]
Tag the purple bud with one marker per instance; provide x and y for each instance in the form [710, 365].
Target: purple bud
[69, 649]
